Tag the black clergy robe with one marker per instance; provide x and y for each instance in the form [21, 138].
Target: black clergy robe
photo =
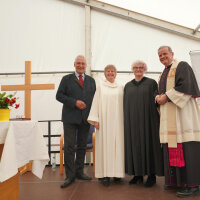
[143, 154]
[185, 81]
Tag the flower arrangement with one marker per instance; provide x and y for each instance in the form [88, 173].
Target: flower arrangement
[7, 101]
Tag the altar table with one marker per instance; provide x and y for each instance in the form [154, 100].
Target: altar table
[20, 142]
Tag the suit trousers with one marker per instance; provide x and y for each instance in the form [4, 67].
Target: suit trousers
[75, 141]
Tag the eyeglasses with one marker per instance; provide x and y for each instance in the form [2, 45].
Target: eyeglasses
[80, 63]
[140, 68]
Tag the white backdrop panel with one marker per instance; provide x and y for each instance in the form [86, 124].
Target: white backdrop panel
[50, 33]
[195, 58]
[43, 102]
[120, 42]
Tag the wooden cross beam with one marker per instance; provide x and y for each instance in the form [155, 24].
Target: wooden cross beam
[27, 87]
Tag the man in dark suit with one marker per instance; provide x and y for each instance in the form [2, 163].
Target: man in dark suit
[76, 92]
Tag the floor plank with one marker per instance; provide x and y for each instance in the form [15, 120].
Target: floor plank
[32, 188]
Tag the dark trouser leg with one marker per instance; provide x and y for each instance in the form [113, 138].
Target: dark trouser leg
[82, 138]
[189, 174]
[69, 149]
[174, 176]
[192, 163]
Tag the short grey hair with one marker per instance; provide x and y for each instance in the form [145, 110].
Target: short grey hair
[165, 46]
[139, 62]
[79, 56]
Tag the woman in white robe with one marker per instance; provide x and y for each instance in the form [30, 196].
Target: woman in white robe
[106, 115]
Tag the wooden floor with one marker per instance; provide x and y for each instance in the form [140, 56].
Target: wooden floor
[32, 188]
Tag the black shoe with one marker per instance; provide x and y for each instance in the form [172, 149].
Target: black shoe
[106, 181]
[83, 177]
[187, 191]
[67, 182]
[116, 179]
[136, 179]
[151, 180]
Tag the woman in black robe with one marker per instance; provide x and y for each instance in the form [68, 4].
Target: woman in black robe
[143, 153]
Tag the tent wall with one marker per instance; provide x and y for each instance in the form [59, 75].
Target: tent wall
[120, 42]
[43, 103]
[51, 33]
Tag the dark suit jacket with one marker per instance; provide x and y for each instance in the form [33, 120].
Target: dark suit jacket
[69, 92]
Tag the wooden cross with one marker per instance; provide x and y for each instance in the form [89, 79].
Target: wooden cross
[27, 87]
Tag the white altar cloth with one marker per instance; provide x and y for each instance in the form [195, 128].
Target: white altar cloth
[23, 142]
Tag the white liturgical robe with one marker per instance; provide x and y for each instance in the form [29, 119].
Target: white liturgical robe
[107, 109]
